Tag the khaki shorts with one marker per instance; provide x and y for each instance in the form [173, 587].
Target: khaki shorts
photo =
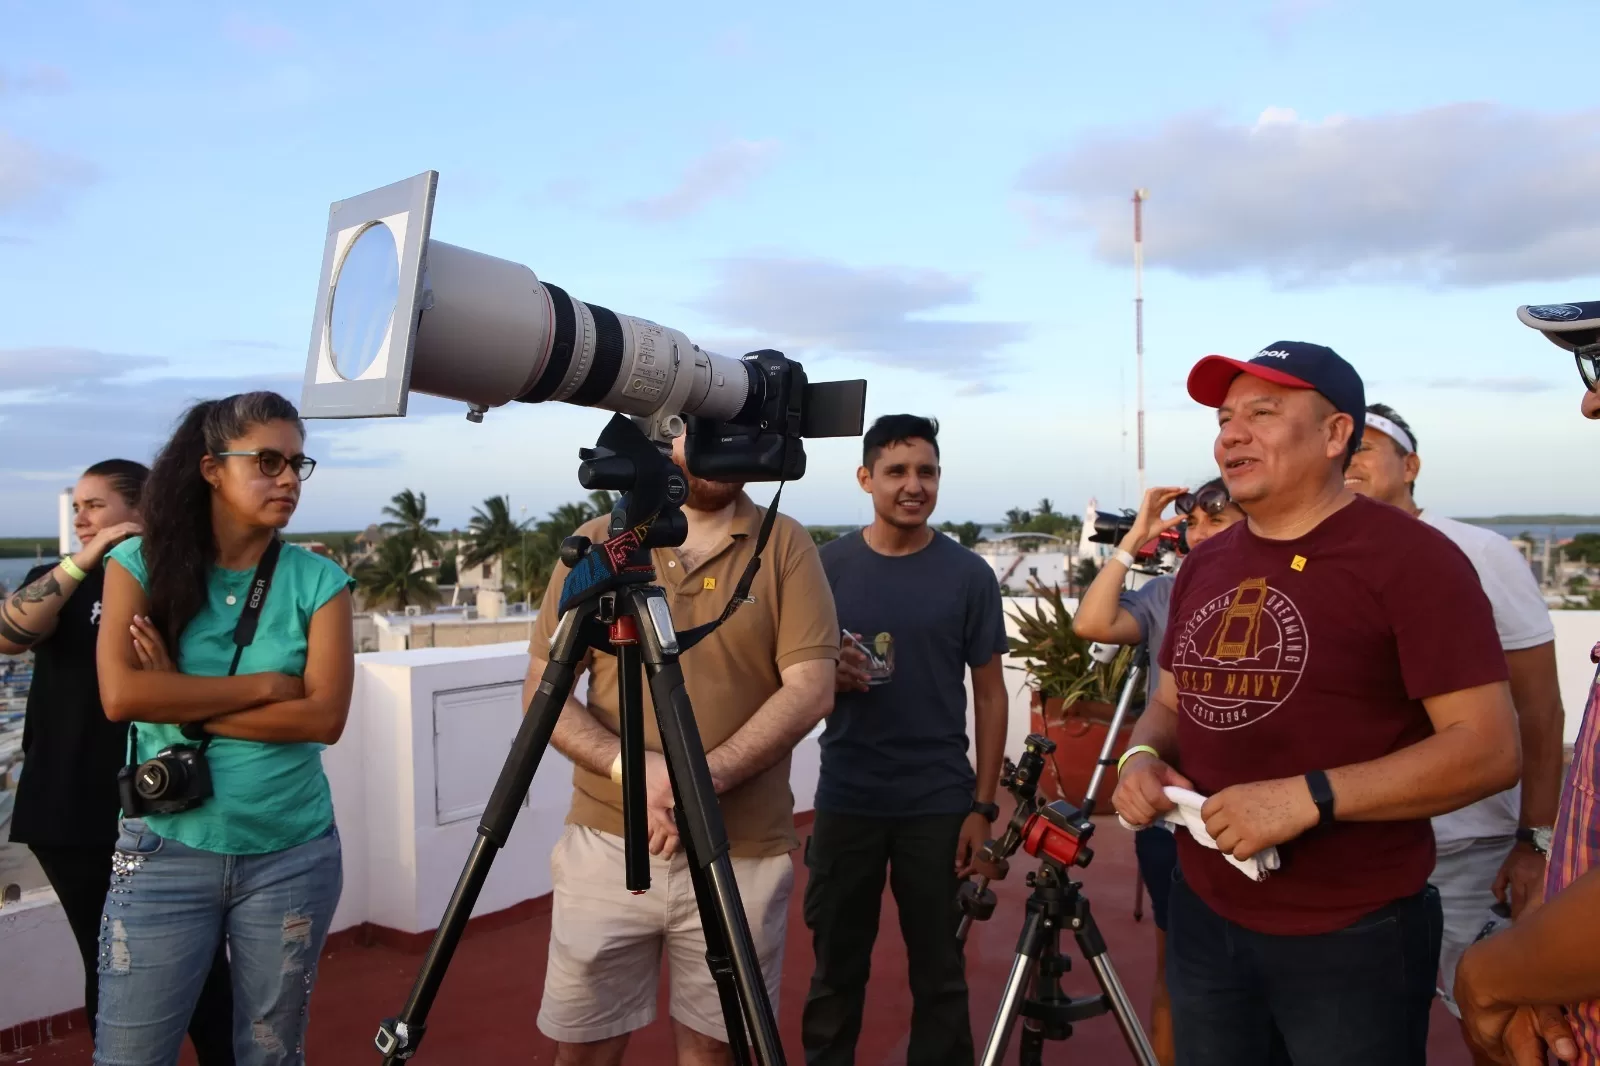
[606, 942]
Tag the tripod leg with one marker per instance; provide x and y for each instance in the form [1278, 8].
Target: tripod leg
[635, 832]
[1093, 946]
[1109, 748]
[1023, 967]
[717, 957]
[398, 1038]
[700, 814]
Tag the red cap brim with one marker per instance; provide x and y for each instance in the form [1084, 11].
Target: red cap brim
[1212, 376]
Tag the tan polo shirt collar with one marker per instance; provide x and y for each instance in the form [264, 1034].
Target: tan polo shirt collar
[746, 522]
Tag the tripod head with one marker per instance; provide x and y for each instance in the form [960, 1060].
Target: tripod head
[1058, 833]
[648, 514]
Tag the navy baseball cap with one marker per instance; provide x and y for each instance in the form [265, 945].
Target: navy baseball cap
[1571, 325]
[1292, 364]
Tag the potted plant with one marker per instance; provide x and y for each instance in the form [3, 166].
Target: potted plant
[1074, 696]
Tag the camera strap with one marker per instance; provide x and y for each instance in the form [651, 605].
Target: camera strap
[741, 592]
[244, 631]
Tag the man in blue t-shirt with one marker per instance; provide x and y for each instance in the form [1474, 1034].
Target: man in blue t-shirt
[897, 789]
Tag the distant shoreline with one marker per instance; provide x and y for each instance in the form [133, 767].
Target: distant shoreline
[45, 547]
[1535, 520]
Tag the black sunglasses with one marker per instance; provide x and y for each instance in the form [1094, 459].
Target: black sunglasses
[1211, 499]
[272, 463]
[1588, 357]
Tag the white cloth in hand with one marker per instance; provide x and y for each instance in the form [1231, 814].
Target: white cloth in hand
[1187, 815]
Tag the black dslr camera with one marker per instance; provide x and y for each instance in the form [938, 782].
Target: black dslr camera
[177, 779]
[763, 441]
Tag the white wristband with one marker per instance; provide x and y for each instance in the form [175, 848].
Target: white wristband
[1124, 558]
[616, 769]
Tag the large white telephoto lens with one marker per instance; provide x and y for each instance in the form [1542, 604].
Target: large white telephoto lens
[398, 311]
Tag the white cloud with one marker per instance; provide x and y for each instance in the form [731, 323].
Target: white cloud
[35, 178]
[721, 172]
[817, 306]
[70, 407]
[63, 368]
[1464, 194]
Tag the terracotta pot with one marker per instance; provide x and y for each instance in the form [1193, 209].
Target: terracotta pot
[1079, 735]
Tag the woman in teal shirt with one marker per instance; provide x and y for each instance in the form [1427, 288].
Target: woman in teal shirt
[257, 863]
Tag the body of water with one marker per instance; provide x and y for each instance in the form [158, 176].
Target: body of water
[1538, 533]
[12, 572]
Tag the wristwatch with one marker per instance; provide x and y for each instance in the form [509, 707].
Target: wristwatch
[1537, 838]
[991, 811]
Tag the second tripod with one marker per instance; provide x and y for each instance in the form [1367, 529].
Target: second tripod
[1058, 835]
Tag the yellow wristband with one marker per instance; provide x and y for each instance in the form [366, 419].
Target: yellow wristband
[73, 570]
[1135, 750]
[616, 769]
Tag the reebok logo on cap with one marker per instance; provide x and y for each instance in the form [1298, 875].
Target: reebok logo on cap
[1292, 364]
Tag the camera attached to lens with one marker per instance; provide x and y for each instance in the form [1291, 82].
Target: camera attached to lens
[398, 311]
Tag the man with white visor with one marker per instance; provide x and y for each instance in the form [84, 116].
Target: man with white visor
[1491, 854]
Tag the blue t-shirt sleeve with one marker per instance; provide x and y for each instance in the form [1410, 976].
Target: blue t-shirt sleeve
[130, 555]
[1148, 605]
[986, 620]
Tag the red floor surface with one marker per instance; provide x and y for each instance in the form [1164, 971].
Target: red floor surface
[485, 1012]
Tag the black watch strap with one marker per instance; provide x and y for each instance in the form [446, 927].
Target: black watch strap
[1321, 795]
[990, 811]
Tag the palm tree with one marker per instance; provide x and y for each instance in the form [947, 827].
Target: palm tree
[343, 551]
[536, 557]
[1047, 509]
[492, 532]
[409, 521]
[390, 578]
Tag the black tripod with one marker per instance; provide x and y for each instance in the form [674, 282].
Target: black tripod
[610, 604]
[1058, 834]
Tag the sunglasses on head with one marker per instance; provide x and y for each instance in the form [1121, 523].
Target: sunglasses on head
[1212, 499]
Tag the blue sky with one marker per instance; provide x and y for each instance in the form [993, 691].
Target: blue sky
[922, 194]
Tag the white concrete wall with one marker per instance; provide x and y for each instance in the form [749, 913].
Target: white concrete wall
[427, 734]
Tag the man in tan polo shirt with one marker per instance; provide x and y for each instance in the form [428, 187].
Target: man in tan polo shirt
[759, 684]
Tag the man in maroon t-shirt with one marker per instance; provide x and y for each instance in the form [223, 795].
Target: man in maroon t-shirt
[1331, 678]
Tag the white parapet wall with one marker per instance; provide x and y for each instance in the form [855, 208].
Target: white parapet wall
[428, 732]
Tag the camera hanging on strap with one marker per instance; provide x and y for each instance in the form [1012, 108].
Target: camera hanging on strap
[178, 777]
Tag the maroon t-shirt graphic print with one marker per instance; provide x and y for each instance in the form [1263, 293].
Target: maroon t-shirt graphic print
[1310, 654]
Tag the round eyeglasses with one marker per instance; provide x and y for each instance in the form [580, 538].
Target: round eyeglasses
[272, 463]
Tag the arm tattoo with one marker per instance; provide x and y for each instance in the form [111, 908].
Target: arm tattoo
[14, 624]
[15, 632]
[37, 592]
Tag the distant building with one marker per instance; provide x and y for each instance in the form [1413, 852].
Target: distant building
[451, 627]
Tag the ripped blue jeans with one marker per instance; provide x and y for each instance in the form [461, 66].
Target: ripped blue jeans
[168, 908]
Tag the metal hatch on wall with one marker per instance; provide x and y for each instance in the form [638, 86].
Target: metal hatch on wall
[472, 733]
